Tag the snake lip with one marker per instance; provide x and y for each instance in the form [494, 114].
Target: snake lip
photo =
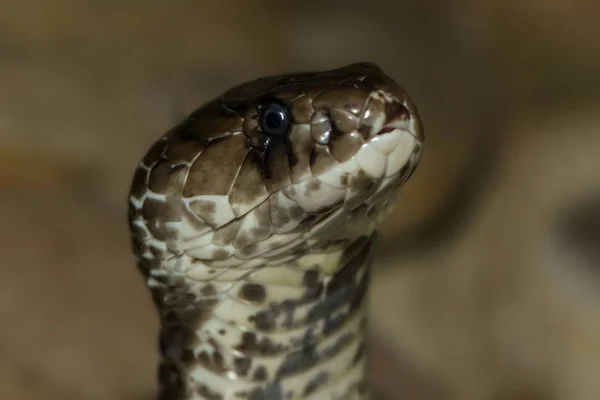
[403, 126]
[386, 129]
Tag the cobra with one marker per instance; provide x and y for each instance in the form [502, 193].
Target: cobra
[252, 222]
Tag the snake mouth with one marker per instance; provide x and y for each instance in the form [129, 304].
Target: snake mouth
[386, 129]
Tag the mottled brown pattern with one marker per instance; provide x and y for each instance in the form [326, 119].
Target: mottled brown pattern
[266, 203]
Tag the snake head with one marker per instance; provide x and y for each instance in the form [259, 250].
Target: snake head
[276, 161]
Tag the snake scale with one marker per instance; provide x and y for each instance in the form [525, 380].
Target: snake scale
[252, 222]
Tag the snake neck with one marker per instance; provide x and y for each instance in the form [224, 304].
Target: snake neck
[293, 330]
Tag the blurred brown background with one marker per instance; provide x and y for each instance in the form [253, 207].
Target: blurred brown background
[488, 281]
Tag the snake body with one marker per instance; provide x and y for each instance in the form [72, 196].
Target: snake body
[252, 222]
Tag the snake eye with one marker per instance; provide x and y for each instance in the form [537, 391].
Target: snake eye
[274, 119]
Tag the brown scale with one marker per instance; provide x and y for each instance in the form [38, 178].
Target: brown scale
[223, 159]
[249, 188]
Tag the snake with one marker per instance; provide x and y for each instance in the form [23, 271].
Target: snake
[252, 222]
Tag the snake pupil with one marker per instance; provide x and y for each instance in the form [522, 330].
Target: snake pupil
[275, 119]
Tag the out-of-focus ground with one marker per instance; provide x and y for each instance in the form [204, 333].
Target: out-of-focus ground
[488, 279]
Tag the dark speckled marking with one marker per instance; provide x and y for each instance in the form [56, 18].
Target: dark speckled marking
[208, 290]
[346, 277]
[220, 254]
[171, 382]
[242, 365]
[311, 277]
[260, 374]
[206, 392]
[264, 321]
[321, 378]
[264, 347]
[253, 292]
[272, 391]
[308, 356]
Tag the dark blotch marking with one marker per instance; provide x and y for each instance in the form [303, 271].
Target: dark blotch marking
[220, 254]
[208, 290]
[242, 365]
[260, 374]
[343, 288]
[313, 283]
[264, 321]
[311, 278]
[171, 385]
[205, 391]
[253, 292]
[308, 356]
[265, 347]
[272, 391]
[354, 258]
[359, 353]
[312, 385]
